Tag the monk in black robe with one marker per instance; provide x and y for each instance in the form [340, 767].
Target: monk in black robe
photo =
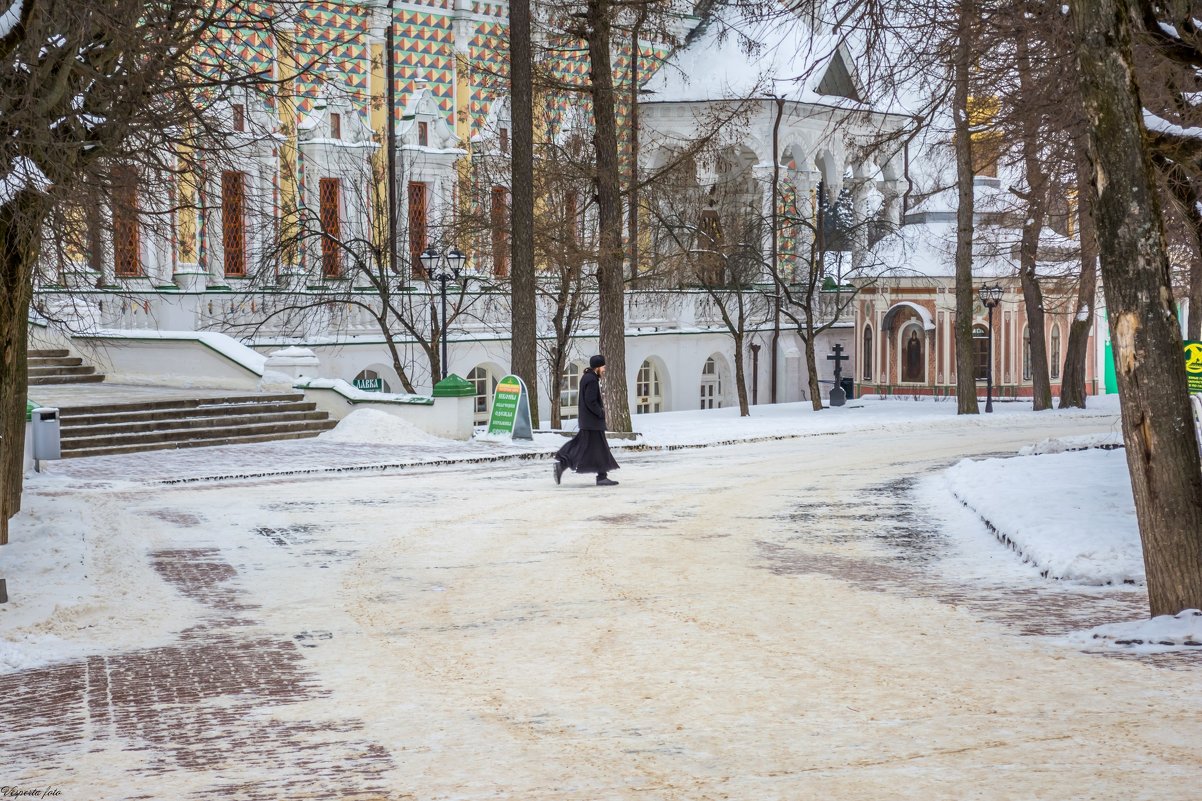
[588, 452]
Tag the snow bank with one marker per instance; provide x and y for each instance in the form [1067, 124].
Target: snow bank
[1108, 441]
[380, 428]
[1069, 514]
[1158, 634]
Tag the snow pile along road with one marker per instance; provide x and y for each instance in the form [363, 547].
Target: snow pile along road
[1161, 633]
[1106, 441]
[379, 428]
[1071, 515]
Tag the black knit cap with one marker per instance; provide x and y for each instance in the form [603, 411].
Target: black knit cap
[596, 361]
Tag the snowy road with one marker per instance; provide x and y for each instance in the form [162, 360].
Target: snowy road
[781, 620]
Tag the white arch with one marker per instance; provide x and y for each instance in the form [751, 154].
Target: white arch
[928, 323]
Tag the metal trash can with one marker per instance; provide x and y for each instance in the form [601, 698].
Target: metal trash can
[849, 386]
[46, 435]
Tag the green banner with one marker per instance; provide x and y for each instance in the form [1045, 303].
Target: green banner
[369, 384]
[510, 409]
[1193, 365]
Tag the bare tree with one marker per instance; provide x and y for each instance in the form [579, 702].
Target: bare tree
[86, 86]
[352, 279]
[1166, 475]
[703, 254]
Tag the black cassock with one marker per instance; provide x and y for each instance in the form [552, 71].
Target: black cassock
[588, 452]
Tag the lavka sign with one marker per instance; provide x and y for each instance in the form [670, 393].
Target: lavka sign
[511, 409]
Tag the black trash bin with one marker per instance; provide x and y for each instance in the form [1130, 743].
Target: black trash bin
[849, 386]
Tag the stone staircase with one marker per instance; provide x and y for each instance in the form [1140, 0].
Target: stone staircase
[59, 367]
[111, 428]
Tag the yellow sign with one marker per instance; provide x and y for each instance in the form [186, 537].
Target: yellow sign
[1193, 365]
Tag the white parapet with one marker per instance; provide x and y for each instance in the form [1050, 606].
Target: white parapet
[449, 417]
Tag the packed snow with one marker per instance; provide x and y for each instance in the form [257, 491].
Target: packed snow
[74, 593]
[1106, 441]
[380, 428]
[1069, 514]
[1065, 511]
[1155, 635]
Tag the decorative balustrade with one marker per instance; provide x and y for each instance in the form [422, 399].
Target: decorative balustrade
[316, 315]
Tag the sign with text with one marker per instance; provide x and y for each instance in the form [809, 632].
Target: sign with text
[511, 409]
[1193, 365]
[369, 384]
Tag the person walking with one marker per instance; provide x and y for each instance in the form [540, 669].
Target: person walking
[588, 452]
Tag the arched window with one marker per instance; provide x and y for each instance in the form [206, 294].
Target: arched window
[866, 353]
[569, 391]
[648, 389]
[486, 384]
[980, 341]
[1054, 352]
[1026, 353]
[711, 385]
[370, 381]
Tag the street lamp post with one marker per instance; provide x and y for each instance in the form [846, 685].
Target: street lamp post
[443, 267]
[991, 296]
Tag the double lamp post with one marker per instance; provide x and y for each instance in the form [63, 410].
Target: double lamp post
[443, 267]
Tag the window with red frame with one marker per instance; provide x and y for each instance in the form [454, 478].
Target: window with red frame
[233, 221]
[127, 261]
[329, 191]
[418, 208]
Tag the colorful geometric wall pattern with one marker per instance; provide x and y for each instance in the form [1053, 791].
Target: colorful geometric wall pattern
[334, 37]
[489, 56]
[425, 49]
[787, 238]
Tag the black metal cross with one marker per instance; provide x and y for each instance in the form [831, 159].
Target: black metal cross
[838, 358]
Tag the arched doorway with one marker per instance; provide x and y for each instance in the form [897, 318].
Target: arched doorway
[569, 390]
[711, 384]
[912, 354]
[484, 379]
[648, 389]
[980, 343]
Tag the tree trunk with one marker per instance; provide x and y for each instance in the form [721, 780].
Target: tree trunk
[558, 358]
[20, 220]
[1037, 188]
[1166, 477]
[632, 210]
[741, 377]
[966, 382]
[812, 369]
[1041, 385]
[610, 279]
[523, 304]
[1072, 381]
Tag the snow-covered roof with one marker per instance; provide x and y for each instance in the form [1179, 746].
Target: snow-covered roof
[929, 249]
[736, 54]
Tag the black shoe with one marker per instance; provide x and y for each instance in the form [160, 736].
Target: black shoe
[606, 482]
[559, 468]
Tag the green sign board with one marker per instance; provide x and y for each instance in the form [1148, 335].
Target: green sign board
[1193, 365]
[511, 409]
[369, 384]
